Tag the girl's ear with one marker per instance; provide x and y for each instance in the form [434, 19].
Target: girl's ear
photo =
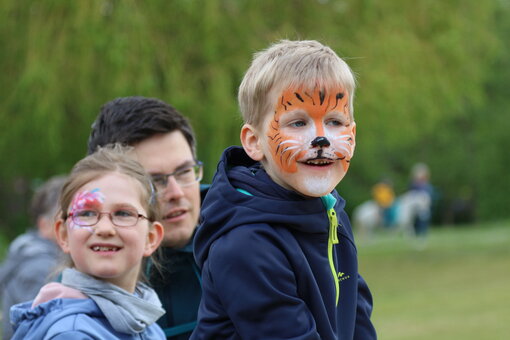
[251, 142]
[62, 235]
[154, 238]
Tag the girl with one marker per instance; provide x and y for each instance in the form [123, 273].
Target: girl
[107, 225]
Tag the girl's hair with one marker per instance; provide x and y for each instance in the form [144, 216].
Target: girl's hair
[305, 63]
[113, 158]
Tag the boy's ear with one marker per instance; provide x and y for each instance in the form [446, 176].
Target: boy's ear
[62, 235]
[353, 131]
[251, 142]
[154, 238]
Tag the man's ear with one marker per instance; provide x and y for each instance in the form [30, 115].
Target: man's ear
[154, 238]
[62, 235]
[251, 142]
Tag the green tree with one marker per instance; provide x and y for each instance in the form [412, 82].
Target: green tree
[429, 73]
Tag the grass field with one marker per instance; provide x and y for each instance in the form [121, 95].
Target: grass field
[456, 287]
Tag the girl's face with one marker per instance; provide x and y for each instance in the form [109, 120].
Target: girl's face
[106, 251]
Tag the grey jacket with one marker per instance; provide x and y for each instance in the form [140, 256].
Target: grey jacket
[28, 265]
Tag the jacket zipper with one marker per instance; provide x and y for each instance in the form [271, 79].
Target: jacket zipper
[333, 239]
[329, 202]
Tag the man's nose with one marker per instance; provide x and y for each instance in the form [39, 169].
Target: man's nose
[173, 190]
[320, 142]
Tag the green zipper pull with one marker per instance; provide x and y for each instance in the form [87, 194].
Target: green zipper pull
[329, 202]
[333, 224]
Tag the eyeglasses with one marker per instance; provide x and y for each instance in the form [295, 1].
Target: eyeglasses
[184, 177]
[120, 217]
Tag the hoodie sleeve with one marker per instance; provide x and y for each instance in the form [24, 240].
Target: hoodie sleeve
[249, 290]
[364, 329]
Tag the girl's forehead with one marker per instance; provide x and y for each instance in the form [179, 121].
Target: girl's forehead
[112, 188]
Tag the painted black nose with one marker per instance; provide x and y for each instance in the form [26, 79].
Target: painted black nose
[321, 142]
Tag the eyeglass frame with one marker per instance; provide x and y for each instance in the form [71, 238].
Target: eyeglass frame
[99, 216]
[197, 166]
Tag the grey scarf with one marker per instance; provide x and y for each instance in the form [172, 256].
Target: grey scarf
[126, 312]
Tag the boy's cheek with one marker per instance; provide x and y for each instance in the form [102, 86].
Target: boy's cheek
[285, 152]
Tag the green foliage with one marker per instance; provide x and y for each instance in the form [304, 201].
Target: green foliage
[431, 78]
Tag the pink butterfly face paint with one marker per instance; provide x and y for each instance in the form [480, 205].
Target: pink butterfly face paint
[86, 200]
[311, 136]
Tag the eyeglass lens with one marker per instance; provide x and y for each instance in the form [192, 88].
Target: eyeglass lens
[183, 177]
[120, 218]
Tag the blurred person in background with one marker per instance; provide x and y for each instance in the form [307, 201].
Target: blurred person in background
[32, 256]
[384, 195]
[420, 181]
[164, 143]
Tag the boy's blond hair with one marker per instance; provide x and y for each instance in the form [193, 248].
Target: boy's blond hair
[305, 63]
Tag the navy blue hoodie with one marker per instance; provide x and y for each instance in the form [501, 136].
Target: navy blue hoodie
[276, 264]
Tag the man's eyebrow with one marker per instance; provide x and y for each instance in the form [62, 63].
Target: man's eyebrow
[181, 166]
[185, 164]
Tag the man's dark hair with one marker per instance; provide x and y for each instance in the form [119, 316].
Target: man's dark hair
[129, 120]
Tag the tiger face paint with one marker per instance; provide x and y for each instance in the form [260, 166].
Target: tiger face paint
[310, 140]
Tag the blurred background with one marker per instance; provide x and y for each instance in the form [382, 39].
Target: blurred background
[433, 79]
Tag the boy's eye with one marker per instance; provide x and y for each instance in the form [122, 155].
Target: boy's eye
[334, 122]
[298, 123]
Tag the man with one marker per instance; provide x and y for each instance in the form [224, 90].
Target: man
[164, 144]
[32, 256]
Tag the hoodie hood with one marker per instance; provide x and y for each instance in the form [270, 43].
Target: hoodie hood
[34, 323]
[242, 193]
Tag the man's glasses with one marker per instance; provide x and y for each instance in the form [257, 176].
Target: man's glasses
[120, 218]
[184, 177]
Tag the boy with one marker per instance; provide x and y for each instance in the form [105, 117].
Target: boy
[275, 247]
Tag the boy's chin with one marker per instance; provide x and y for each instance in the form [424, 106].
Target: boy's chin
[315, 186]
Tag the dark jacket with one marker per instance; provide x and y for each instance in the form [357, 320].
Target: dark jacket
[275, 264]
[179, 288]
